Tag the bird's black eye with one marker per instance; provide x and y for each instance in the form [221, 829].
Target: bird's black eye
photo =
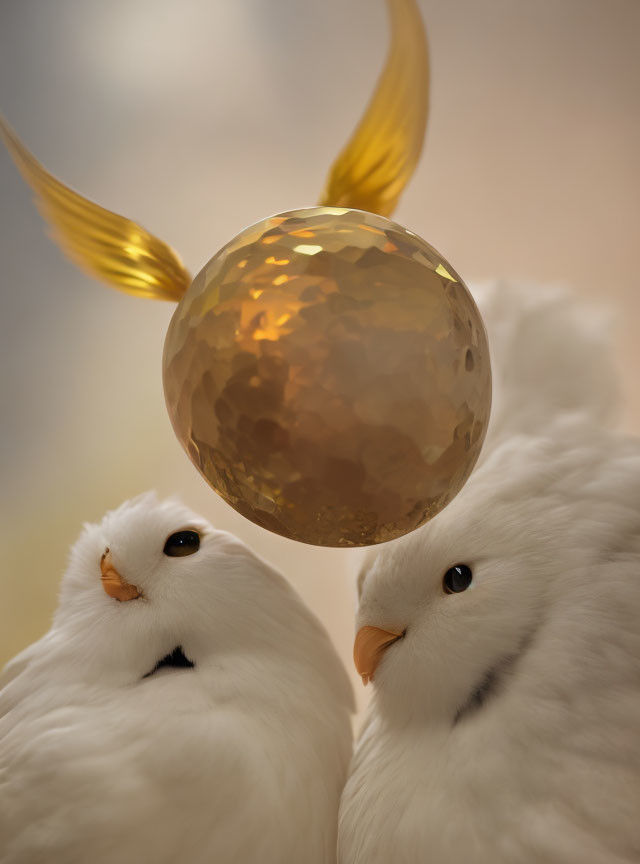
[182, 543]
[457, 579]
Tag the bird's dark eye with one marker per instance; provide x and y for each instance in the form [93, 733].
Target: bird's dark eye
[457, 579]
[182, 543]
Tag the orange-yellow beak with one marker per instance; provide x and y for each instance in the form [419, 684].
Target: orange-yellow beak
[369, 647]
[113, 583]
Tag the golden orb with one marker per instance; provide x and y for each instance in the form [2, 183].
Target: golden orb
[328, 374]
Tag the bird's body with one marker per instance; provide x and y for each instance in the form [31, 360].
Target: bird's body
[507, 729]
[504, 727]
[233, 749]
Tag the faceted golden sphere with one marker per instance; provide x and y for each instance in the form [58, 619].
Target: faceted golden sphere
[328, 374]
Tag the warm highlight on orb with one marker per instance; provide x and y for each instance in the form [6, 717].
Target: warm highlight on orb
[328, 373]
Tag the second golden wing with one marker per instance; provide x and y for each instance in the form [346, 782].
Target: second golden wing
[379, 159]
[105, 245]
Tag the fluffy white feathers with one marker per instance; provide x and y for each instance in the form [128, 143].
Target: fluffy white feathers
[550, 357]
[504, 725]
[240, 758]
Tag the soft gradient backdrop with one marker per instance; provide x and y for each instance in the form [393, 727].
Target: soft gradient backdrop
[199, 117]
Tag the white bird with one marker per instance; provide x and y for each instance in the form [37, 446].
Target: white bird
[550, 356]
[503, 642]
[185, 706]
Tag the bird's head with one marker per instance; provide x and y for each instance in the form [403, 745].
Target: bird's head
[450, 610]
[154, 583]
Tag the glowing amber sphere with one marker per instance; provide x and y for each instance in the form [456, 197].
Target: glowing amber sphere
[328, 374]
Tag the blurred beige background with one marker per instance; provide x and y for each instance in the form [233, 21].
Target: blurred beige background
[199, 117]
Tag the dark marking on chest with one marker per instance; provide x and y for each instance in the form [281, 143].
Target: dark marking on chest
[492, 681]
[176, 660]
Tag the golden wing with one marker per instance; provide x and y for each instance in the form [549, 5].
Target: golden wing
[103, 244]
[378, 161]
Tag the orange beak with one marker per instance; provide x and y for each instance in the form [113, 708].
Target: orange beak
[113, 583]
[369, 647]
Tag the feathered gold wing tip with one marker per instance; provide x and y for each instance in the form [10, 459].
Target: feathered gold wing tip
[103, 244]
[378, 161]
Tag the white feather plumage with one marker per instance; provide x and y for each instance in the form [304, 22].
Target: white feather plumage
[504, 725]
[240, 759]
[550, 357]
